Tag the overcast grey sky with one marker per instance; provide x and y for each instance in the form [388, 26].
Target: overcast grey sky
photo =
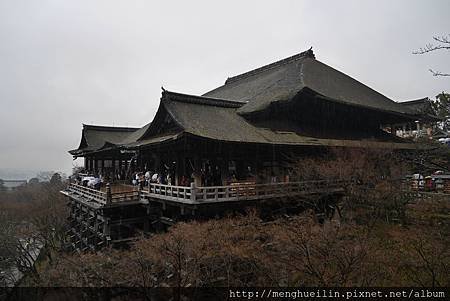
[64, 63]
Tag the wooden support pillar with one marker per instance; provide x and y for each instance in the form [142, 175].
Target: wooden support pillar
[146, 225]
[197, 164]
[108, 194]
[255, 172]
[96, 222]
[107, 228]
[273, 162]
[183, 166]
[140, 161]
[157, 158]
[193, 192]
[178, 172]
[226, 164]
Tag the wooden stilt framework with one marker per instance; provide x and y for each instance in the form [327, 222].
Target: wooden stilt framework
[101, 218]
[98, 218]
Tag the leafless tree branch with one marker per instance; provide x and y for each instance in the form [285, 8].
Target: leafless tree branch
[438, 73]
[443, 43]
[442, 39]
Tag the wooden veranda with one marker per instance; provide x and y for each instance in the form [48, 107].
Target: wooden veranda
[192, 195]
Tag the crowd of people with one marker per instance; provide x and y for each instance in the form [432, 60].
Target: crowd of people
[94, 182]
[207, 175]
[143, 179]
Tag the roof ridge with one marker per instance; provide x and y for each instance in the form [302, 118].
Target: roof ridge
[105, 127]
[195, 99]
[308, 53]
[425, 99]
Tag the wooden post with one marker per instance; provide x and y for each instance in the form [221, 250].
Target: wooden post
[96, 222]
[107, 231]
[140, 160]
[108, 194]
[193, 191]
[177, 168]
[113, 168]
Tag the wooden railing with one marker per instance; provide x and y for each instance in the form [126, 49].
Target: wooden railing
[88, 193]
[237, 191]
[198, 195]
[126, 196]
[102, 197]
[170, 192]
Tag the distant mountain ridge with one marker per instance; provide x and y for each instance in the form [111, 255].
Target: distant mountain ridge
[17, 174]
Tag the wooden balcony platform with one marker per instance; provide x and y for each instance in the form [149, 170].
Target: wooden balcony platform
[109, 196]
[117, 195]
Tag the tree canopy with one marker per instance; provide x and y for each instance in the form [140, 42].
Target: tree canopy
[441, 106]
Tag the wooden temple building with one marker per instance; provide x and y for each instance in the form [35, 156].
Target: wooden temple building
[229, 147]
[424, 126]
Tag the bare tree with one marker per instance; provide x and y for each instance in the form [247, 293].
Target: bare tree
[18, 251]
[441, 42]
[32, 219]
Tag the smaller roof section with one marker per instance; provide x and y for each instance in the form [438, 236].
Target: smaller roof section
[417, 105]
[422, 108]
[95, 137]
[217, 119]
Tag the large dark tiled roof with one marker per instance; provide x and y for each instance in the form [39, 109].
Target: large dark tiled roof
[282, 80]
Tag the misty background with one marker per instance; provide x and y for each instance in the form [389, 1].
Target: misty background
[64, 63]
